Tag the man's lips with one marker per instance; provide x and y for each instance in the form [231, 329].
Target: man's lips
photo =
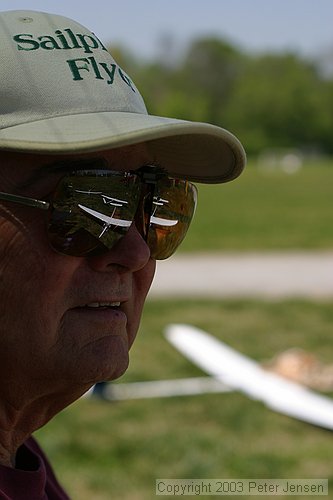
[111, 309]
[104, 316]
[96, 303]
[102, 312]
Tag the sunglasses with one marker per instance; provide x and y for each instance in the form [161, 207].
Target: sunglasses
[91, 210]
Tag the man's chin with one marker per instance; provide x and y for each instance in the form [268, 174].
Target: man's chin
[105, 360]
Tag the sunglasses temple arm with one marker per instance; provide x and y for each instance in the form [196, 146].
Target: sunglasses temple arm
[23, 200]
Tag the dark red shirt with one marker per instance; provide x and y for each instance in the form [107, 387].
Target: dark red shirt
[33, 477]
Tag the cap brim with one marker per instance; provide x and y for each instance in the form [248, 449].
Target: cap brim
[196, 151]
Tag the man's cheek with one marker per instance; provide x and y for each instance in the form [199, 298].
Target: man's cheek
[146, 277]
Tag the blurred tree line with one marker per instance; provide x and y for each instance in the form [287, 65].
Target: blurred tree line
[269, 100]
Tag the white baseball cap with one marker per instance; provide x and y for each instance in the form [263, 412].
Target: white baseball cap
[62, 92]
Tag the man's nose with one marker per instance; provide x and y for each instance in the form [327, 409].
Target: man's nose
[130, 253]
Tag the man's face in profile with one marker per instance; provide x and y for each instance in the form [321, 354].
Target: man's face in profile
[67, 322]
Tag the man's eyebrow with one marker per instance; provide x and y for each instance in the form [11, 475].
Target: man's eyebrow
[62, 167]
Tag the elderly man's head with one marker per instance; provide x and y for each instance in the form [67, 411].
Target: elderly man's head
[93, 191]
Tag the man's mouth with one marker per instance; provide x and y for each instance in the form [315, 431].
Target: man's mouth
[102, 305]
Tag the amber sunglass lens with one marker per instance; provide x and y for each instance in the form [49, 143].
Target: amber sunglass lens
[173, 208]
[92, 210]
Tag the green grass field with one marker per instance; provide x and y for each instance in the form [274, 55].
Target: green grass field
[106, 450]
[265, 210]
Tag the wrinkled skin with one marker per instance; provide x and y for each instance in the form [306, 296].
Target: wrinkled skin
[52, 347]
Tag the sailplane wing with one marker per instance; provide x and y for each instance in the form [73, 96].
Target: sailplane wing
[245, 375]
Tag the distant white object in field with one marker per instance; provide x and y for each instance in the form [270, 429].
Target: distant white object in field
[245, 375]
